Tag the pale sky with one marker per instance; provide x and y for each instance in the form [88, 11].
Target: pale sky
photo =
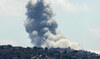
[78, 19]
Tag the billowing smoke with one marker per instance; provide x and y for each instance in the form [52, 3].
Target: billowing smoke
[42, 27]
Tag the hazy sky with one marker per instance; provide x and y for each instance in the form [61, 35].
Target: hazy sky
[79, 20]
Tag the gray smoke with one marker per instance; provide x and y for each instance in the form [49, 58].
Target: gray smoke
[42, 27]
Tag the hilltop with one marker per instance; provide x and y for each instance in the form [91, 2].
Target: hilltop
[17, 52]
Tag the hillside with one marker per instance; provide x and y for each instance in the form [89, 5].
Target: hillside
[15, 52]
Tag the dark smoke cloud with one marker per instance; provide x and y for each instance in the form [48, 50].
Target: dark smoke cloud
[42, 26]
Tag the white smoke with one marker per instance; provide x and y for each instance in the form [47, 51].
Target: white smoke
[42, 27]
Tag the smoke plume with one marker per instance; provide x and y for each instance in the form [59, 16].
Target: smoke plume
[42, 27]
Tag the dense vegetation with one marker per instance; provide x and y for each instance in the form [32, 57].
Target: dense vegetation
[9, 52]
